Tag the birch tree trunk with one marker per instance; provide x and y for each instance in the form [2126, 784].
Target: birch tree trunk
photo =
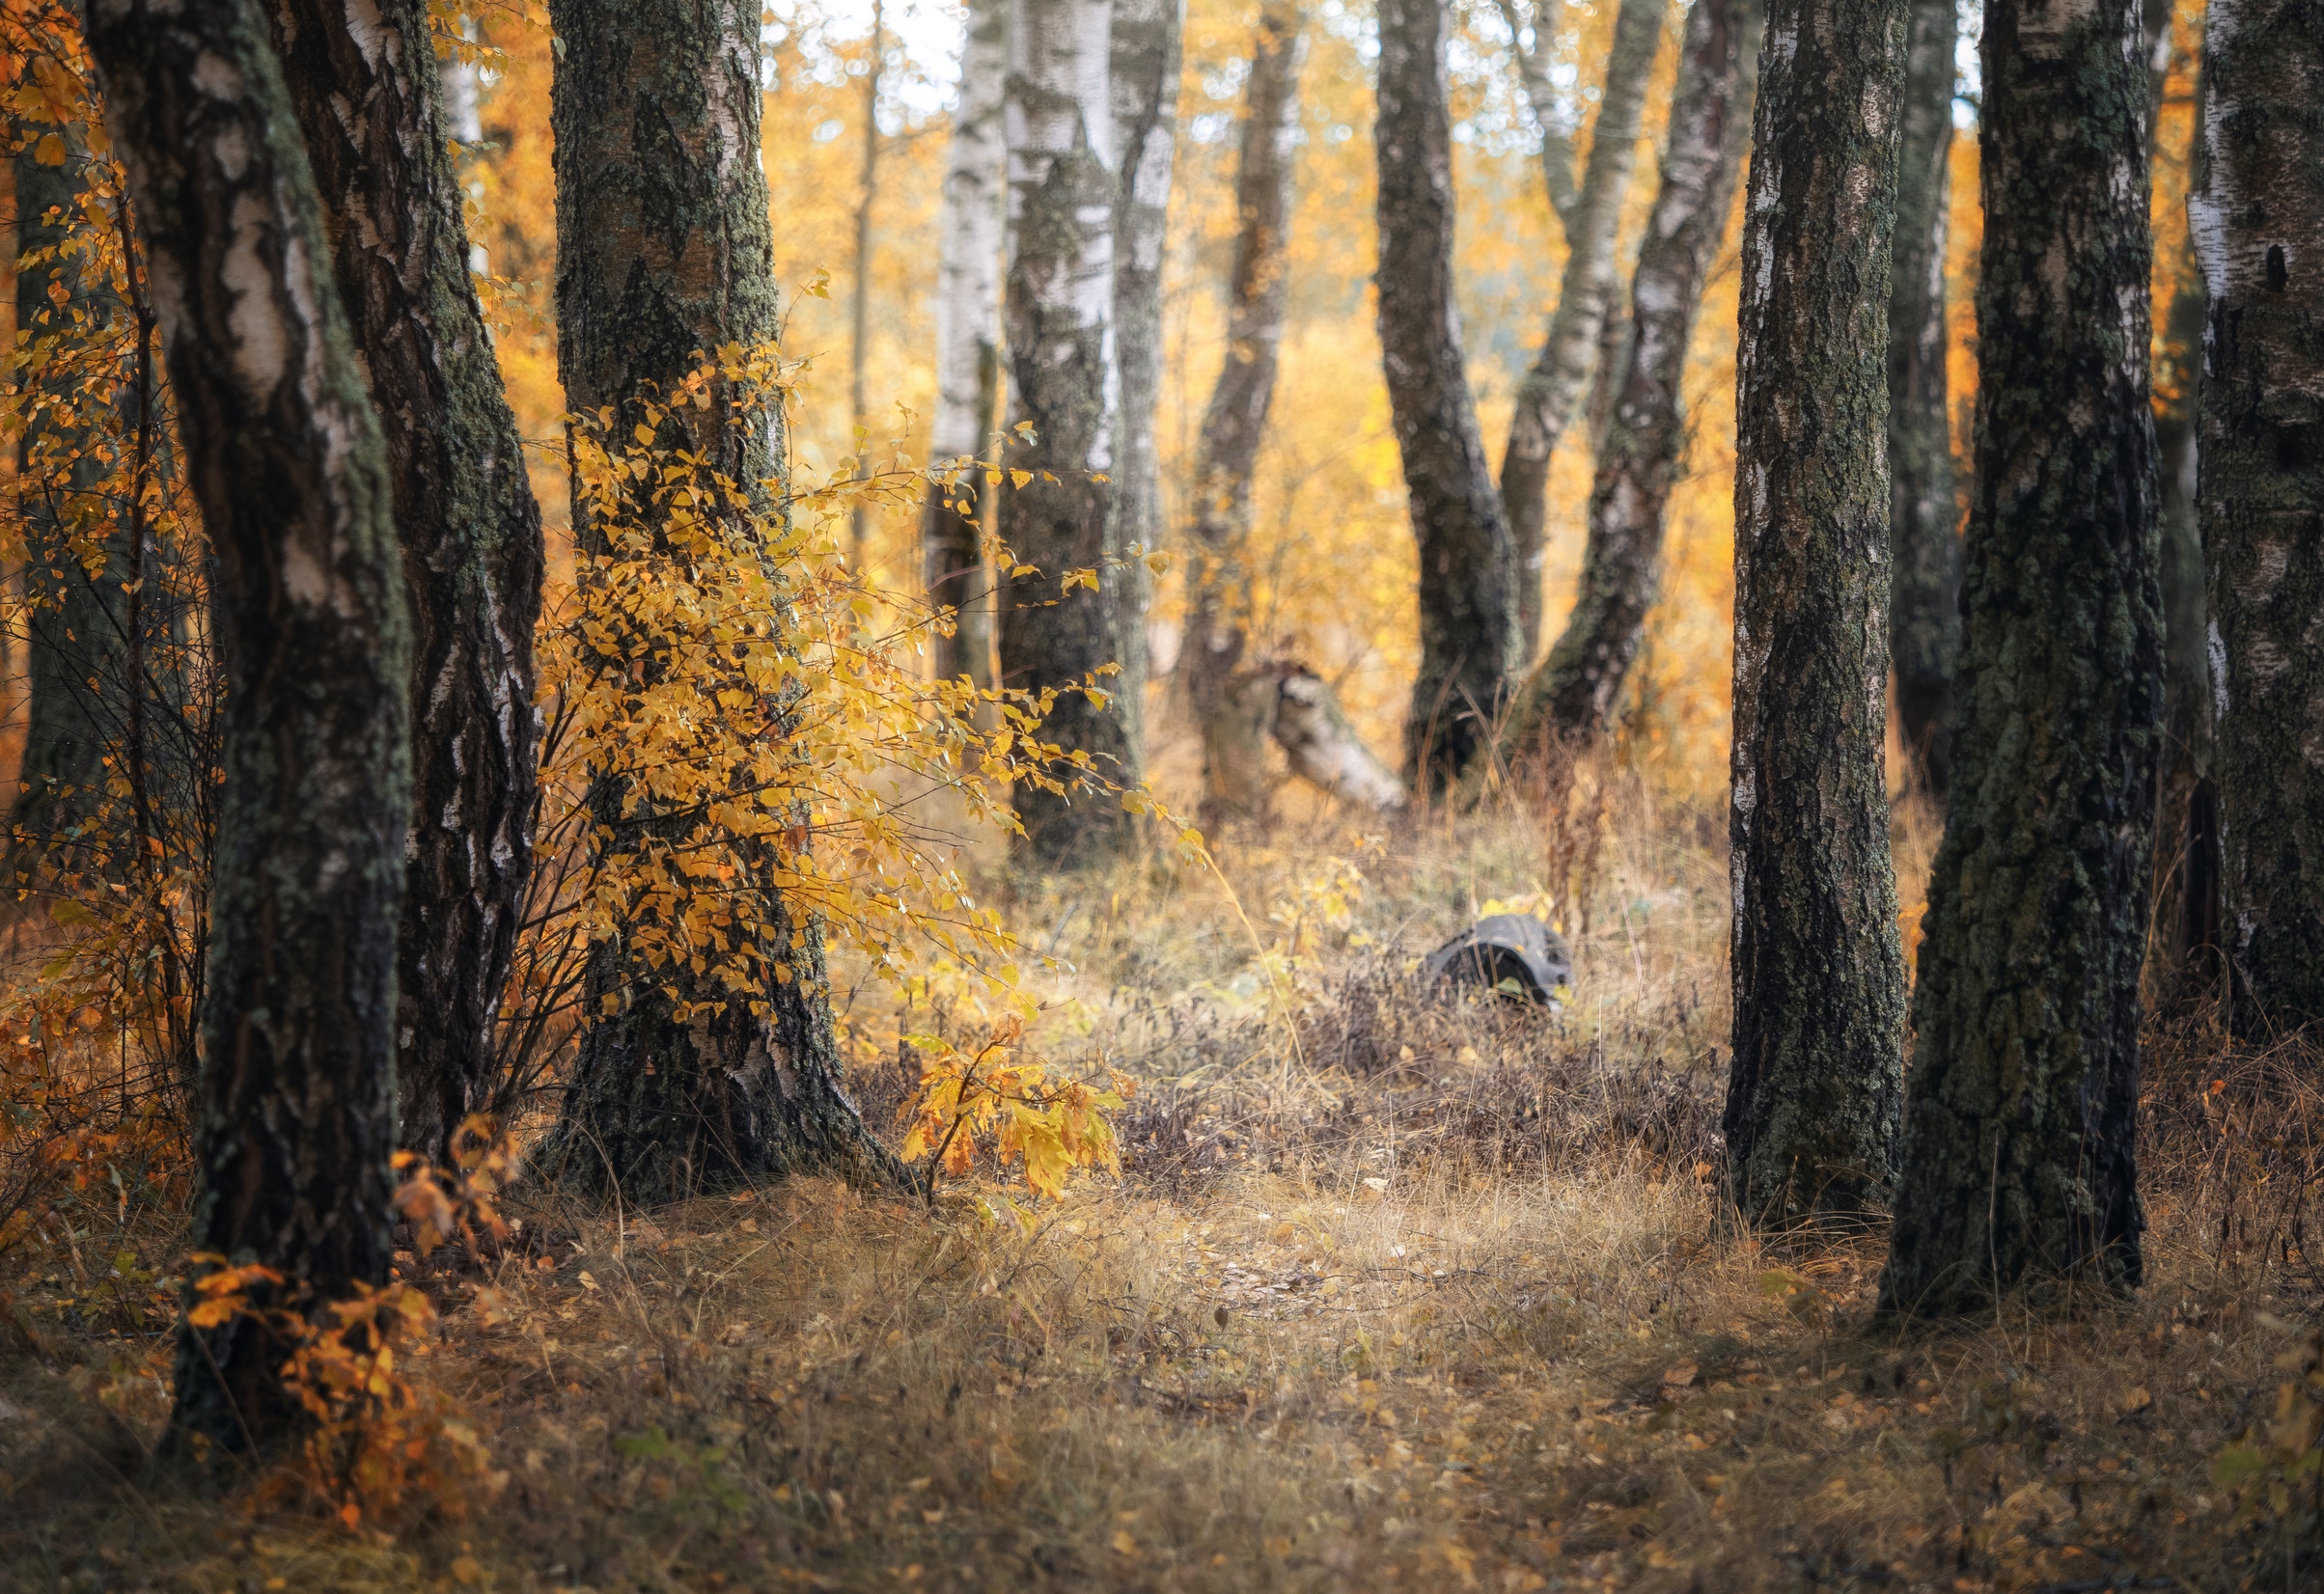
[2257, 211]
[1467, 577]
[294, 1110]
[664, 251]
[2019, 1134]
[1218, 575]
[1924, 591]
[968, 339]
[1550, 118]
[1145, 60]
[1552, 389]
[1812, 1100]
[1064, 380]
[1572, 698]
[369, 107]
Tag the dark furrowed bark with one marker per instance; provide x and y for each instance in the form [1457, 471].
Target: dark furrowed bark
[1468, 576]
[1145, 61]
[74, 624]
[664, 252]
[1572, 696]
[295, 1100]
[1059, 308]
[1553, 387]
[2019, 1128]
[1233, 426]
[369, 109]
[1924, 589]
[2257, 211]
[1818, 973]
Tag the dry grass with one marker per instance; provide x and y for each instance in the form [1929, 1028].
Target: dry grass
[1391, 1293]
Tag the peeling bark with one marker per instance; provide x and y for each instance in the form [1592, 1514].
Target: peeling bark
[1552, 389]
[1064, 380]
[1218, 577]
[1572, 698]
[1812, 1100]
[295, 1103]
[968, 341]
[2257, 212]
[1468, 576]
[2020, 1128]
[664, 252]
[370, 108]
[1924, 591]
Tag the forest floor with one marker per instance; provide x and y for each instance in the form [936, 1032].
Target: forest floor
[1392, 1292]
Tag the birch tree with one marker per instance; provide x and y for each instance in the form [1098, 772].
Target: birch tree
[664, 252]
[969, 224]
[1235, 712]
[1468, 576]
[1553, 387]
[2257, 211]
[1063, 189]
[1818, 973]
[1570, 699]
[293, 1113]
[1924, 613]
[369, 109]
[2020, 1128]
[1145, 61]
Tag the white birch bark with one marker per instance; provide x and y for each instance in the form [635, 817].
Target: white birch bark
[1065, 382]
[969, 231]
[1145, 56]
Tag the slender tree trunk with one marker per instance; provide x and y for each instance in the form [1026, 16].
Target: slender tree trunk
[75, 631]
[2257, 211]
[2018, 1155]
[2185, 944]
[663, 253]
[968, 341]
[1924, 591]
[369, 105]
[1218, 574]
[859, 523]
[2187, 930]
[1572, 696]
[1468, 576]
[1812, 1103]
[1064, 191]
[1144, 91]
[1551, 390]
[1550, 118]
[295, 1106]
